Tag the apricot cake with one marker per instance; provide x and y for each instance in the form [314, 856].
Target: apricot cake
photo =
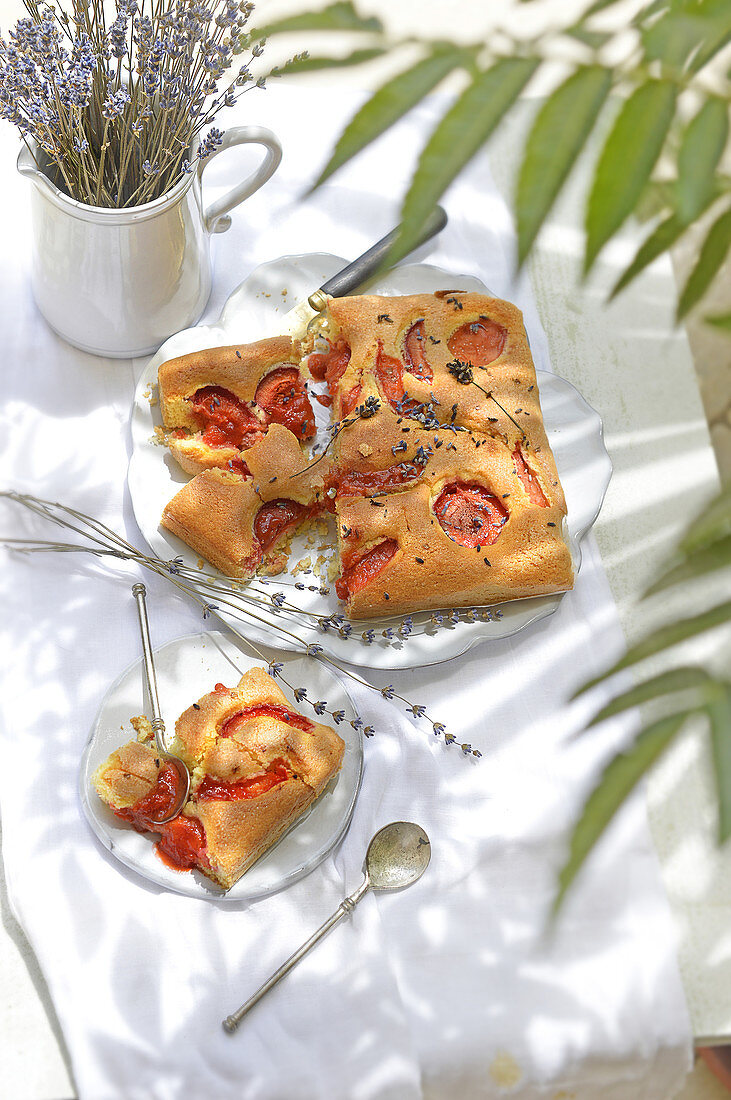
[256, 765]
[439, 472]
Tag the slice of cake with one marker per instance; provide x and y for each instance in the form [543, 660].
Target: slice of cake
[256, 765]
[241, 522]
[218, 402]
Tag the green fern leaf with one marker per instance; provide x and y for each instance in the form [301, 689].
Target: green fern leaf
[708, 560]
[626, 161]
[667, 683]
[557, 137]
[457, 137]
[712, 524]
[659, 241]
[722, 321]
[703, 143]
[341, 16]
[618, 780]
[391, 102]
[713, 253]
[719, 714]
[665, 638]
[315, 64]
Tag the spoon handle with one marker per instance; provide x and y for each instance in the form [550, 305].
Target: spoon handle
[158, 726]
[346, 906]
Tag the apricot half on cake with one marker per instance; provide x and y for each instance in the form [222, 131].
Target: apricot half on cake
[256, 765]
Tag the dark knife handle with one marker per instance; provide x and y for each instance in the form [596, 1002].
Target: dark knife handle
[352, 276]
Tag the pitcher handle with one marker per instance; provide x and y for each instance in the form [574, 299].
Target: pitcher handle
[215, 216]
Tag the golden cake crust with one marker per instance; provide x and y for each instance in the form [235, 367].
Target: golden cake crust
[529, 555]
[127, 775]
[214, 515]
[238, 833]
[511, 376]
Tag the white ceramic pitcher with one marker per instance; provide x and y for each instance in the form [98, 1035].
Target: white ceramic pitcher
[119, 282]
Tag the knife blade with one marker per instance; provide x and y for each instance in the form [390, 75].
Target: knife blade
[354, 275]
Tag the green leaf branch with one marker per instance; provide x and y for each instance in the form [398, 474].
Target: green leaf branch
[662, 125]
[682, 692]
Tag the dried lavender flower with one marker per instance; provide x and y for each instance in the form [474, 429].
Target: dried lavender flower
[117, 99]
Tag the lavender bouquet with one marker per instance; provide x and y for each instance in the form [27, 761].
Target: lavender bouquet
[116, 108]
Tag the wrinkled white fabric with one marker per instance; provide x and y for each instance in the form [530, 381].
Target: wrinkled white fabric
[450, 989]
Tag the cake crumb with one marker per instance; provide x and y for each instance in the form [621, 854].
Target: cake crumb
[505, 1071]
[143, 728]
[365, 450]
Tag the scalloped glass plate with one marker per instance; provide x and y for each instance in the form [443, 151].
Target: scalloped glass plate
[188, 668]
[255, 310]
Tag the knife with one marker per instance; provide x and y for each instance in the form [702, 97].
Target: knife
[355, 274]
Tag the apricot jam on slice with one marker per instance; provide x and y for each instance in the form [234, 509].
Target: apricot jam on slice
[529, 479]
[469, 514]
[264, 710]
[157, 802]
[283, 397]
[414, 357]
[223, 419]
[478, 342]
[360, 573]
[182, 843]
[251, 787]
[238, 466]
[274, 518]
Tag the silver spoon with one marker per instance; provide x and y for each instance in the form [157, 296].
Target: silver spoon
[158, 726]
[397, 855]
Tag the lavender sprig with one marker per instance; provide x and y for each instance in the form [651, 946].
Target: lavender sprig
[105, 542]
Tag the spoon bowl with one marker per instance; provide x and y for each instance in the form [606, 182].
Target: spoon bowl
[397, 855]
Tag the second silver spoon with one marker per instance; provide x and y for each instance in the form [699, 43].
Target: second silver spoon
[397, 855]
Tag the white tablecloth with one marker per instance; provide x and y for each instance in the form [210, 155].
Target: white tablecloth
[449, 989]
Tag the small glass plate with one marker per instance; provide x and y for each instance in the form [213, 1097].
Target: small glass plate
[188, 668]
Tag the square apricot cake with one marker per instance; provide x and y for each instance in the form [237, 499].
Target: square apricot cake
[256, 765]
[439, 472]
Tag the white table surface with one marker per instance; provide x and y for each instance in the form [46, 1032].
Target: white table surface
[638, 372]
